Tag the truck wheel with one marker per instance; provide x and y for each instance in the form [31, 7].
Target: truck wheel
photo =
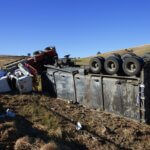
[112, 65]
[123, 57]
[96, 64]
[146, 57]
[132, 66]
[117, 55]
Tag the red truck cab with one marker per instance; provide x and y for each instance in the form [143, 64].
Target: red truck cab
[41, 58]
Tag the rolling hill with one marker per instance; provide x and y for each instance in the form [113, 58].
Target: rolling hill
[139, 50]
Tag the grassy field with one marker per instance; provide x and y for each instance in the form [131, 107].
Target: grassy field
[42, 121]
[8, 59]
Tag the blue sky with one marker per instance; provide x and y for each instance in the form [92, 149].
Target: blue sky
[77, 27]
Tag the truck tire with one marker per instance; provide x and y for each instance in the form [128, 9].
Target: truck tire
[146, 57]
[112, 65]
[123, 57]
[96, 64]
[116, 55]
[132, 66]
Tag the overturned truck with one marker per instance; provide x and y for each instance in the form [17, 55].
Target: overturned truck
[125, 94]
[116, 82]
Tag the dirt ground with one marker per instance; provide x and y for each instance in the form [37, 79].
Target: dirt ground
[43, 119]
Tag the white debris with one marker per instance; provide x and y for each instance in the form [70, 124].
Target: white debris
[142, 85]
[78, 126]
[24, 84]
[24, 70]
[18, 73]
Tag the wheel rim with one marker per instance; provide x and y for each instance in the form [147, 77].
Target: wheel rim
[95, 65]
[131, 67]
[111, 65]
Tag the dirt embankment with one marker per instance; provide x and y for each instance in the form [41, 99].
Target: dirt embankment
[42, 120]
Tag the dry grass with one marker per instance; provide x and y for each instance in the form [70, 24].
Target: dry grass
[36, 113]
[8, 59]
[50, 146]
[28, 143]
[140, 50]
[100, 130]
[23, 144]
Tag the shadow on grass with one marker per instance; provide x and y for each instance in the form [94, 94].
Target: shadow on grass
[103, 139]
[24, 127]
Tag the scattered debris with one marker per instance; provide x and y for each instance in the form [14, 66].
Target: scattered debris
[24, 84]
[22, 75]
[78, 126]
[20, 79]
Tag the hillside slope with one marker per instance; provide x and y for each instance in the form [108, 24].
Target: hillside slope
[139, 50]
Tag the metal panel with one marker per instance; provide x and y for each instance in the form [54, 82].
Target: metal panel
[95, 93]
[80, 84]
[49, 83]
[145, 93]
[50, 75]
[120, 97]
[88, 91]
[65, 86]
[93, 97]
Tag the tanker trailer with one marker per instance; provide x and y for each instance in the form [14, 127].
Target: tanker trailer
[123, 62]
